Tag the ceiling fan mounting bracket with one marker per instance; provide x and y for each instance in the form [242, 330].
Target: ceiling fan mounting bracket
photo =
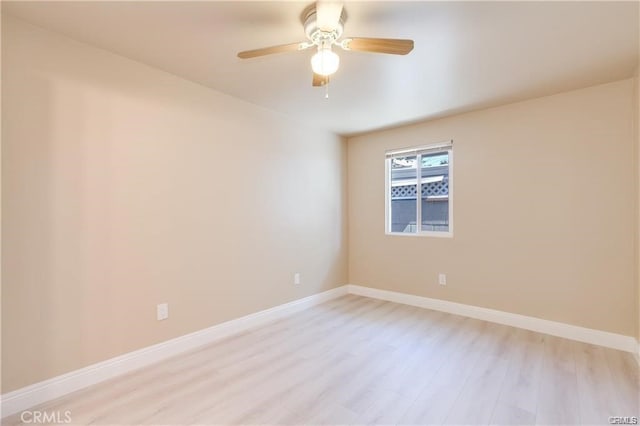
[320, 36]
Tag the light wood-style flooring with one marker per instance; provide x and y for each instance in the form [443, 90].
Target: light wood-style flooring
[355, 360]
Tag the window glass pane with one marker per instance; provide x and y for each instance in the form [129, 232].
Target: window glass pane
[403, 187]
[435, 192]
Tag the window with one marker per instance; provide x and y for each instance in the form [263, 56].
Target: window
[431, 213]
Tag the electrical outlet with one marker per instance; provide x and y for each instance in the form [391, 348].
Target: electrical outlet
[162, 311]
[442, 279]
[296, 278]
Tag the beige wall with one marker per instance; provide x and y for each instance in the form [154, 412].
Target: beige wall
[637, 135]
[124, 187]
[543, 208]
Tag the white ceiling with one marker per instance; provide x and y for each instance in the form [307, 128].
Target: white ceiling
[467, 54]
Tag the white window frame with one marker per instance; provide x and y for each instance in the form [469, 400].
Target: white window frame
[418, 152]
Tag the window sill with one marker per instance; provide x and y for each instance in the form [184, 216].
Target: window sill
[448, 234]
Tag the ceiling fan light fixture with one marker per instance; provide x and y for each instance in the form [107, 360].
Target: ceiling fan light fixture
[325, 61]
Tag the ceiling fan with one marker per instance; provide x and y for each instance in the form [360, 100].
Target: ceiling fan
[323, 24]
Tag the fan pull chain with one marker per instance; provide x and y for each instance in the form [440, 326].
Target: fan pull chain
[326, 90]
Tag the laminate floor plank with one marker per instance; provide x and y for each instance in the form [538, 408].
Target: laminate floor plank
[518, 399]
[626, 380]
[435, 401]
[477, 399]
[558, 391]
[596, 390]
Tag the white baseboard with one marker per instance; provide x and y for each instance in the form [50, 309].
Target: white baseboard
[573, 332]
[29, 396]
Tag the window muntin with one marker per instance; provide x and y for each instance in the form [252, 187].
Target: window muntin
[432, 215]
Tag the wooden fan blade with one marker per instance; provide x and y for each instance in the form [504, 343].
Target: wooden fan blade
[328, 14]
[378, 45]
[320, 80]
[274, 49]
